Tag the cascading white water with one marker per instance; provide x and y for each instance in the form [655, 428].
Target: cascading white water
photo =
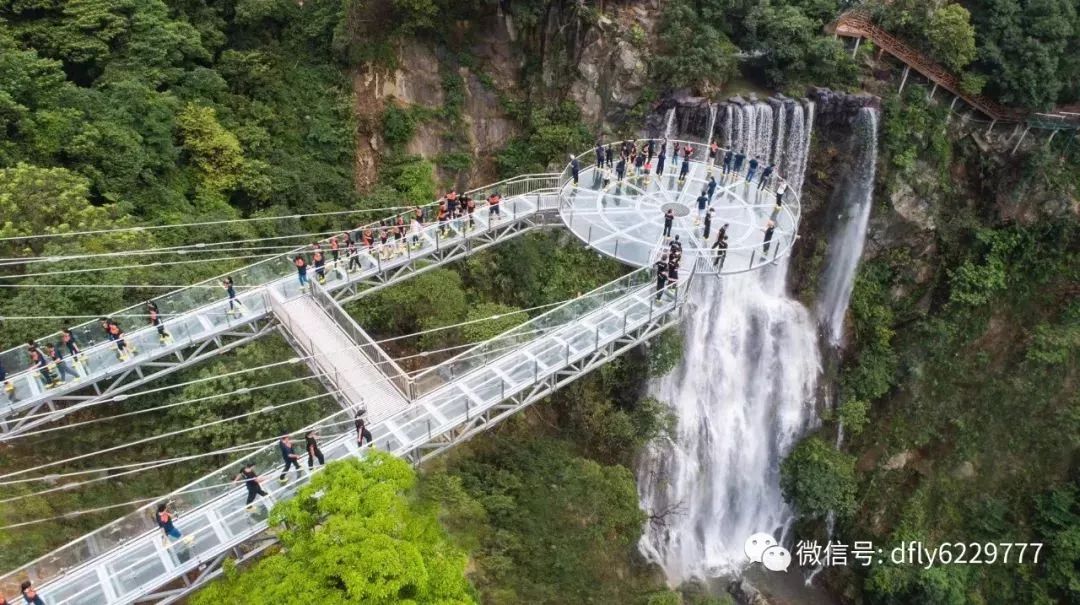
[727, 125]
[846, 245]
[743, 395]
[712, 124]
[763, 137]
[669, 130]
[778, 141]
[804, 157]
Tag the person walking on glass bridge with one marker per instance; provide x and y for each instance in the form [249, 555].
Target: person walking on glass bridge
[675, 252]
[765, 174]
[301, 271]
[752, 170]
[669, 218]
[702, 201]
[470, 210]
[600, 151]
[29, 594]
[660, 159]
[311, 446]
[769, 228]
[708, 225]
[639, 165]
[320, 264]
[289, 457]
[9, 387]
[493, 206]
[235, 306]
[363, 435]
[727, 163]
[57, 361]
[354, 257]
[620, 169]
[115, 334]
[684, 169]
[575, 168]
[167, 522]
[661, 275]
[72, 345]
[720, 247]
[737, 165]
[610, 156]
[710, 188]
[153, 315]
[781, 189]
[40, 361]
[252, 482]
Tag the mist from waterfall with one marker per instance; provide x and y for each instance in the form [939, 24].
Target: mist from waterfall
[743, 394]
[855, 195]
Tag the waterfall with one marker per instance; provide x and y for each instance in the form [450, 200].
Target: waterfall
[743, 394]
[712, 124]
[790, 168]
[804, 156]
[763, 136]
[727, 125]
[669, 129]
[780, 111]
[855, 193]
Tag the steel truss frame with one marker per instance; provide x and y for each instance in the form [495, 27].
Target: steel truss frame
[251, 547]
[137, 375]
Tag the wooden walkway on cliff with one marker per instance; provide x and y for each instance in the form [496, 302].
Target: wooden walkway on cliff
[858, 24]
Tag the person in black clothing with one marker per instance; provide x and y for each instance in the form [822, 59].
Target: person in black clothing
[287, 455]
[676, 246]
[319, 261]
[720, 246]
[620, 169]
[752, 170]
[708, 225]
[362, 433]
[661, 276]
[68, 338]
[710, 188]
[727, 162]
[673, 272]
[769, 228]
[737, 168]
[251, 481]
[29, 594]
[235, 305]
[660, 159]
[609, 156]
[575, 168]
[702, 201]
[311, 444]
[684, 170]
[639, 163]
[600, 151]
[354, 257]
[669, 217]
[56, 359]
[765, 174]
[154, 317]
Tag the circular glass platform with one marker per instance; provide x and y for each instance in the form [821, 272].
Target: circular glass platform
[625, 219]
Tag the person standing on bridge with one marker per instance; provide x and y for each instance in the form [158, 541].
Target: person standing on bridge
[493, 206]
[727, 163]
[470, 210]
[781, 189]
[610, 156]
[765, 174]
[252, 482]
[58, 361]
[752, 170]
[362, 432]
[669, 218]
[737, 167]
[720, 247]
[769, 228]
[165, 520]
[301, 271]
[154, 318]
[711, 187]
[9, 388]
[660, 159]
[289, 457]
[235, 306]
[675, 252]
[620, 169]
[684, 170]
[661, 267]
[311, 445]
[29, 595]
[600, 151]
[639, 165]
[320, 265]
[702, 201]
[40, 361]
[708, 225]
[115, 334]
[353, 256]
[575, 168]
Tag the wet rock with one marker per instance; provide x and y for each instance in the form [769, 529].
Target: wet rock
[898, 461]
[911, 206]
[965, 470]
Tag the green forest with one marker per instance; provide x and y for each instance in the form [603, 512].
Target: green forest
[255, 120]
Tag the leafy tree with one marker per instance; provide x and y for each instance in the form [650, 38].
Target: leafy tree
[355, 534]
[692, 52]
[1023, 47]
[853, 413]
[952, 36]
[398, 125]
[492, 319]
[817, 478]
[214, 150]
[665, 352]
[793, 51]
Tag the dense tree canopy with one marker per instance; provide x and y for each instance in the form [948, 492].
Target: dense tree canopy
[354, 534]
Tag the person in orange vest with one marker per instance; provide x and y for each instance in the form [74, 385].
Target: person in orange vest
[115, 334]
[443, 214]
[369, 239]
[301, 271]
[493, 206]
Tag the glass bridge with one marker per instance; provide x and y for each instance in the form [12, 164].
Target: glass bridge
[126, 561]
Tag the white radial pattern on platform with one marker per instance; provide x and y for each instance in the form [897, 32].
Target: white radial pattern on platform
[625, 219]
